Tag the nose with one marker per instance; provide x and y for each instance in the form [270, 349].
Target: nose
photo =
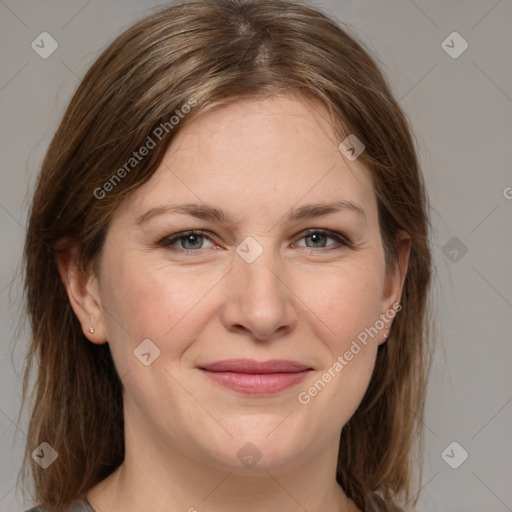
[260, 302]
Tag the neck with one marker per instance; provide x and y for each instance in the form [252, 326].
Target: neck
[157, 476]
[131, 488]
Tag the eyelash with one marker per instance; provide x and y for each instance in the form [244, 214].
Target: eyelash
[338, 237]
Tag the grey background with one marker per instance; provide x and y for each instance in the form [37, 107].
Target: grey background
[461, 112]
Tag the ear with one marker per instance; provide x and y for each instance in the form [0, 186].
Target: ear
[394, 282]
[83, 293]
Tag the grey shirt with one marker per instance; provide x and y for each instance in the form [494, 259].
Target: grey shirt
[77, 506]
[377, 505]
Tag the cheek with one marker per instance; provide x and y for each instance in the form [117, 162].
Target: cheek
[342, 303]
[344, 307]
[148, 301]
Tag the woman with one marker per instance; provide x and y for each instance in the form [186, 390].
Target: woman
[227, 274]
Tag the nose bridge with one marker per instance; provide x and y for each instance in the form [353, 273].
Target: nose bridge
[260, 276]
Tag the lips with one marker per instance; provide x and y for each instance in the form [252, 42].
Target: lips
[251, 366]
[256, 377]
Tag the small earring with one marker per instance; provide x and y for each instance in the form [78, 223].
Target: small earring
[91, 330]
[385, 335]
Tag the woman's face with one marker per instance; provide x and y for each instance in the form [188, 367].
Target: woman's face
[189, 317]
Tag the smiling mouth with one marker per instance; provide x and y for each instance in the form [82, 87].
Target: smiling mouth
[256, 378]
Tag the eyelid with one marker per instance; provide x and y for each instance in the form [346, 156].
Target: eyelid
[341, 239]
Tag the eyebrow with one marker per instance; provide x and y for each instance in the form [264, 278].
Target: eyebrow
[206, 212]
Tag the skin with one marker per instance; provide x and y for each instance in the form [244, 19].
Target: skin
[303, 299]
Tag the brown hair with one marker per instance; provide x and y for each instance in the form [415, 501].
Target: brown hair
[205, 54]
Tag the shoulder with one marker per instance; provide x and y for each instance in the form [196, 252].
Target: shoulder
[77, 506]
[378, 504]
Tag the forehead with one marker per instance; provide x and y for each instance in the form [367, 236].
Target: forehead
[267, 154]
[275, 130]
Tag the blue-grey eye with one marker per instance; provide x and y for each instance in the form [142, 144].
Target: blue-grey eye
[188, 240]
[319, 238]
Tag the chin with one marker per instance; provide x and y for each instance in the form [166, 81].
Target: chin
[260, 445]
